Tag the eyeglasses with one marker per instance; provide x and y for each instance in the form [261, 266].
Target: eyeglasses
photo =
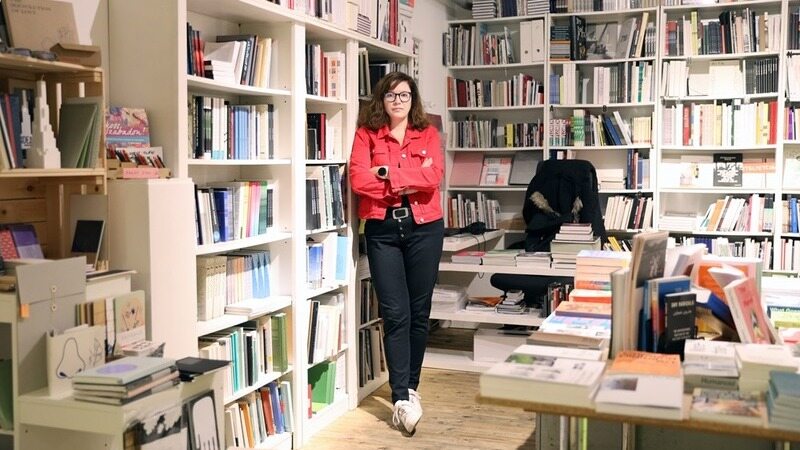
[403, 96]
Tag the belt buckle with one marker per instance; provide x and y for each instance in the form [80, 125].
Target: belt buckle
[400, 213]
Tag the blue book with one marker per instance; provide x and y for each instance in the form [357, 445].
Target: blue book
[792, 214]
[657, 291]
[277, 414]
[220, 209]
[342, 250]
[718, 308]
[265, 288]
[784, 384]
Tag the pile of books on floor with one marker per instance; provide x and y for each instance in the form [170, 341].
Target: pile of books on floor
[125, 380]
[513, 303]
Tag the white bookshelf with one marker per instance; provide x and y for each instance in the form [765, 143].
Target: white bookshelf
[165, 90]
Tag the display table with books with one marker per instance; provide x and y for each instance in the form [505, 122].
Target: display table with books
[685, 424]
[67, 423]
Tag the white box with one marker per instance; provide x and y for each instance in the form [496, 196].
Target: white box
[494, 345]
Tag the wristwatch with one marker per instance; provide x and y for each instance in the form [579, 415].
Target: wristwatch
[383, 171]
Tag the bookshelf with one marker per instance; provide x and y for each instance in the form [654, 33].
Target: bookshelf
[283, 168]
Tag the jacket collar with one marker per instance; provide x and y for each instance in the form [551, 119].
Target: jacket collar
[411, 133]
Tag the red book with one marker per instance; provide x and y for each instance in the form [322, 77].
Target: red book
[686, 125]
[773, 121]
[266, 405]
[7, 248]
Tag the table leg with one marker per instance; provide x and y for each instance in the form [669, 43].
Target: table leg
[628, 436]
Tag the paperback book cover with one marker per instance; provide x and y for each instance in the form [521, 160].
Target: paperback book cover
[127, 127]
[123, 370]
[728, 168]
[716, 405]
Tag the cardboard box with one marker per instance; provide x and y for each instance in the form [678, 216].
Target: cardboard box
[494, 345]
[87, 55]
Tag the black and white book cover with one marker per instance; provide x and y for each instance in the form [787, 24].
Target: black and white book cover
[164, 430]
[728, 168]
[679, 321]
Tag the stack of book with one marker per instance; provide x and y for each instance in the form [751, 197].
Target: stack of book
[125, 380]
[569, 241]
[448, 298]
[501, 257]
[468, 257]
[483, 304]
[757, 361]
[534, 260]
[561, 376]
[783, 400]
[513, 303]
[642, 384]
[709, 365]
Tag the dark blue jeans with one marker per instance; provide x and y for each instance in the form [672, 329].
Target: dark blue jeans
[404, 263]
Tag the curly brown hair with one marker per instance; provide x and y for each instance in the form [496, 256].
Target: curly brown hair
[373, 114]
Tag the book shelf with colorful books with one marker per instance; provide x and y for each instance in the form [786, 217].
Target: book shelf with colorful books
[602, 80]
[258, 159]
[495, 93]
[719, 100]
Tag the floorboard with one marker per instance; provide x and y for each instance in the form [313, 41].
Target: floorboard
[451, 420]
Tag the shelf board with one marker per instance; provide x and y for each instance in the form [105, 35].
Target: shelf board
[439, 358]
[458, 243]
[512, 19]
[275, 303]
[496, 66]
[30, 64]
[700, 98]
[493, 108]
[325, 100]
[445, 266]
[325, 162]
[532, 320]
[792, 191]
[723, 233]
[264, 379]
[52, 173]
[626, 191]
[310, 293]
[219, 247]
[606, 16]
[716, 190]
[631, 231]
[327, 230]
[720, 56]
[372, 385]
[196, 83]
[719, 6]
[6, 432]
[791, 142]
[790, 235]
[601, 147]
[607, 105]
[326, 416]
[239, 162]
[282, 441]
[605, 61]
[242, 11]
[781, 271]
[716, 148]
[493, 149]
[519, 188]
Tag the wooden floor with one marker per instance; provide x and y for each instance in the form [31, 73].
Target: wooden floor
[451, 420]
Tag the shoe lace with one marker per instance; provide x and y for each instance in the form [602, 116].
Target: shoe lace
[415, 395]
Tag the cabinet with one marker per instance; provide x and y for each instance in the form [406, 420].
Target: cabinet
[170, 95]
[42, 196]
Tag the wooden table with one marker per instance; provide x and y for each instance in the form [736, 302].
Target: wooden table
[685, 424]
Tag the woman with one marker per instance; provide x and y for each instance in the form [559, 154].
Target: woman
[395, 168]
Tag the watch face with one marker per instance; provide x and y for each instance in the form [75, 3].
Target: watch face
[383, 171]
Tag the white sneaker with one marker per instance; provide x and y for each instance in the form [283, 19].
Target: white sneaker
[415, 399]
[406, 416]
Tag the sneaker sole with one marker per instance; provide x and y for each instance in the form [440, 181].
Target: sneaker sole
[414, 430]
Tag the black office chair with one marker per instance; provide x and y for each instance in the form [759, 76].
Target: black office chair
[562, 190]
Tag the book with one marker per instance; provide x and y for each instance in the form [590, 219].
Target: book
[71, 352]
[76, 125]
[728, 168]
[643, 384]
[123, 370]
[170, 377]
[544, 379]
[523, 167]
[79, 395]
[25, 240]
[748, 314]
[584, 309]
[127, 127]
[162, 430]
[741, 408]
[679, 321]
[466, 169]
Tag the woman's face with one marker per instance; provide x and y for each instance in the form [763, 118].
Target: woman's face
[397, 102]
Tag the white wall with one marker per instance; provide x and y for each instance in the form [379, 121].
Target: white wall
[430, 21]
[91, 19]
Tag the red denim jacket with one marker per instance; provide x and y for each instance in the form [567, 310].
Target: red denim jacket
[380, 148]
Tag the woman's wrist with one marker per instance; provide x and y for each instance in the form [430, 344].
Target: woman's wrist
[383, 172]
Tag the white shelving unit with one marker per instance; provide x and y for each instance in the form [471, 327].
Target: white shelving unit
[165, 90]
